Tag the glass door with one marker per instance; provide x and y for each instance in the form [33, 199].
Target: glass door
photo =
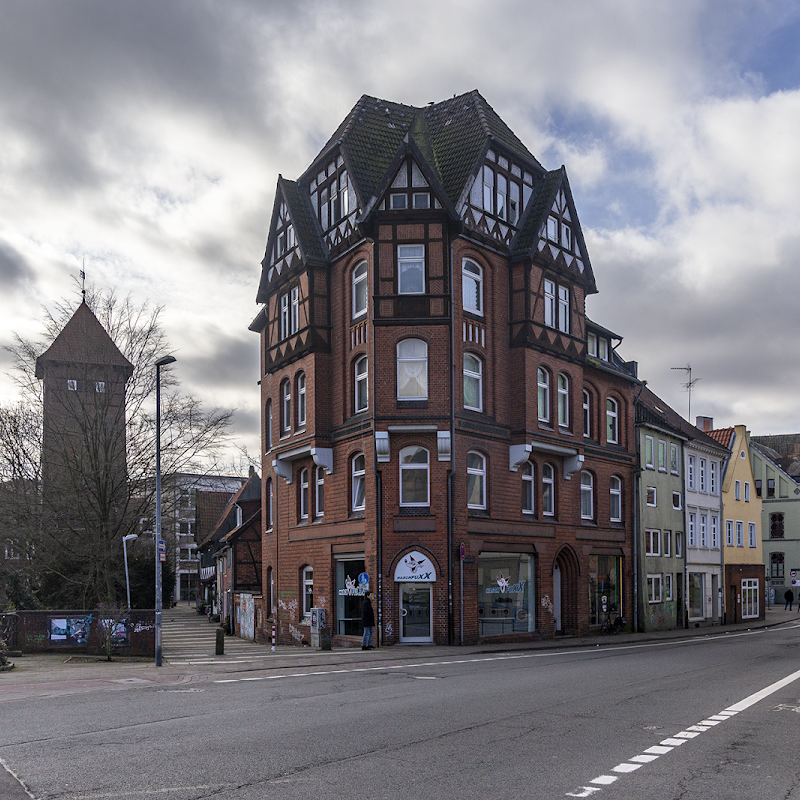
[415, 612]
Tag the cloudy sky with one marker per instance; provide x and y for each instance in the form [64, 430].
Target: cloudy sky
[146, 138]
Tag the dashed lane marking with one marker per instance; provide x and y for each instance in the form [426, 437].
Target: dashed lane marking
[671, 742]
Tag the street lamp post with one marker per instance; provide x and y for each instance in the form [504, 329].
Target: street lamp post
[162, 362]
[125, 540]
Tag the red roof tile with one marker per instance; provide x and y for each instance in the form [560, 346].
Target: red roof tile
[723, 435]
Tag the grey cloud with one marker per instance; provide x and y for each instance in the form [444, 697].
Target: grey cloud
[14, 269]
[234, 362]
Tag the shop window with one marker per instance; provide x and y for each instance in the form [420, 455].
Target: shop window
[476, 481]
[349, 596]
[357, 481]
[548, 490]
[615, 499]
[527, 488]
[414, 477]
[361, 385]
[605, 587]
[543, 381]
[411, 269]
[472, 286]
[308, 591]
[412, 370]
[750, 594]
[697, 601]
[505, 594]
[473, 382]
[587, 496]
[360, 290]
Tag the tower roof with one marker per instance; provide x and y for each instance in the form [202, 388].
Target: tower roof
[83, 340]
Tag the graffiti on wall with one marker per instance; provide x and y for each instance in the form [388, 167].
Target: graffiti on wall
[297, 635]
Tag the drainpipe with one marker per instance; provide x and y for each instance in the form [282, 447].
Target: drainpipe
[450, 477]
[637, 472]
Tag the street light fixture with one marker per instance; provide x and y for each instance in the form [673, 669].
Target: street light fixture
[125, 540]
[162, 362]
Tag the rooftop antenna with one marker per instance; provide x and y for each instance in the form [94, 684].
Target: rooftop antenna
[688, 385]
[83, 280]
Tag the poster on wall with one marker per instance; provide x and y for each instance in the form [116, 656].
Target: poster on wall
[120, 631]
[69, 631]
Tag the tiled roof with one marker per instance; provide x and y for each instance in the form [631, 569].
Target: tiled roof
[785, 444]
[247, 491]
[537, 211]
[723, 436]
[305, 223]
[83, 340]
[209, 506]
[789, 464]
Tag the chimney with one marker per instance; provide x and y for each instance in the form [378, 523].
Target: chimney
[705, 423]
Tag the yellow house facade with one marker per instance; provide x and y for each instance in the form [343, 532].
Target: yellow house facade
[743, 560]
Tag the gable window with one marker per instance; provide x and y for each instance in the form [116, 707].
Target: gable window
[303, 494]
[330, 195]
[527, 488]
[319, 498]
[543, 381]
[737, 490]
[776, 526]
[301, 399]
[662, 455]
[673, 461]
[549, 304]
[652, 542]
[357, 475]
[548, 490]
[476, 481]
[100, 387]
[615, 499]
[648, 452]
[563, 400]
[421, 200]
[360, 289]
[501, 195]
[472, 286]
[587, 415]
[473, 382]
[412, 370]
[414, 482]
[552, 229]
[411, 269]
[398, 202]
[308, 591]
[612, 418]
[286, 406]
[361, 385]
[747, 491]
[563, 309]
[587, 495]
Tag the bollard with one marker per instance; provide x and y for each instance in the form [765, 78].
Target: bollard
[220, 651]
[273, 638]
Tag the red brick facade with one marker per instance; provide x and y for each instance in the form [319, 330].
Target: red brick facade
[527, 572]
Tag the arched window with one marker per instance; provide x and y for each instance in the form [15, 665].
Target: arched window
[548, 490]
[587, 415]
[303, 494]
[587, 495]
[472, 286]
[308, 590]
[414, 477]
[563, 400]
[543, 380]
[319, 499]
[358, 473]
[473, 382]
[269, 502]
[360, 385]
[476, 480]
[615, 490]
[360, 289]
[612, 421]
[527, 488]
[412, 370]
[286, 407]
[301, 399]
[268, 423]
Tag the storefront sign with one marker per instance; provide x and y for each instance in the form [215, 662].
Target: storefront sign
[504, 587]
[415, 567]
[353, 589]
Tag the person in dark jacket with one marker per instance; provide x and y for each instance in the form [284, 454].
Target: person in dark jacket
[788, 596]
[368, 621]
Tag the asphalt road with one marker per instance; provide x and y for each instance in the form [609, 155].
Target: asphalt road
[714, 717]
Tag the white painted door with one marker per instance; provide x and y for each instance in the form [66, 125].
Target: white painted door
[415, 612]
[557, 596]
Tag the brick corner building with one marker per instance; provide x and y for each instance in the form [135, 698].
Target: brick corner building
[435, 402]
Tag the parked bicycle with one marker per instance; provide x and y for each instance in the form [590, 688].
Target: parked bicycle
[615, 625]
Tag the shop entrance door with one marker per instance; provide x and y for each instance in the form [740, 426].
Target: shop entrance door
[415, 612]
[557, 596]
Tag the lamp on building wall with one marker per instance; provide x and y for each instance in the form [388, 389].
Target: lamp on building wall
[125, 539]
[162, 362]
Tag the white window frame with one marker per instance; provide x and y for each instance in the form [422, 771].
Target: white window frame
[739, 533]
[563, 400]
[714, 528]
[319, 492]
[549, 303]
[301, 400]
[476, 377]
[286, 407]
[360, 284]
[678, 544]
[398, 201]
[615, 498]
[676, 496]
[713, 474]
[473, 273]
[652, 542]
[692, 517]
[737, 490]
[591, 344]
[270, 501]
[563, 309]
[729, 532]
[268, 423]
[703, 530]
[415, 466]
[528, 488]
[651, 493]
[612, 421]
[649, 452]
[587, 495]
[361, 384]
[673, 458]
[750, 598]
[690, 472]
[654, 589]
[662, 455]
[358, 475]
[406, 259]
[308, 582]
[747, 491]
[543, 394]
[702, 476]
[409, 360]
[587, 415]
[284, 312]
[752, 539]
[668, 586]
[666, 543]
[304, 498]
[476, 475]
[295, 323]
[548, 490]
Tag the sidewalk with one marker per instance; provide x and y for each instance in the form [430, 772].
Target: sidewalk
[51, 675]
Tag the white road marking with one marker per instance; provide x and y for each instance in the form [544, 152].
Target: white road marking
[671, 742]
[17, 779]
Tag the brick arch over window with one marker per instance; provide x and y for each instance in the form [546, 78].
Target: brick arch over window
[570, 568]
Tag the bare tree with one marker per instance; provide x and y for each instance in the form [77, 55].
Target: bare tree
[70, 490]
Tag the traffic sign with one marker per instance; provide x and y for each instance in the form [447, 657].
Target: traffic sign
[363, 579]
[463, 551]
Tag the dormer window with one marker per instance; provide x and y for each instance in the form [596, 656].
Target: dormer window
[501, 190]
[602, 349]
[591, 344]
[422, 200]
[330, 195]
[552, 229]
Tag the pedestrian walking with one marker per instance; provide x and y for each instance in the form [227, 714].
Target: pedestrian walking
[368, 621]
[788, 596]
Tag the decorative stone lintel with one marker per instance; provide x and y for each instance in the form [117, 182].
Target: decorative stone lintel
[322, 456]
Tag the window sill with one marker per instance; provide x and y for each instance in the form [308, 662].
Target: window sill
[356, 515]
